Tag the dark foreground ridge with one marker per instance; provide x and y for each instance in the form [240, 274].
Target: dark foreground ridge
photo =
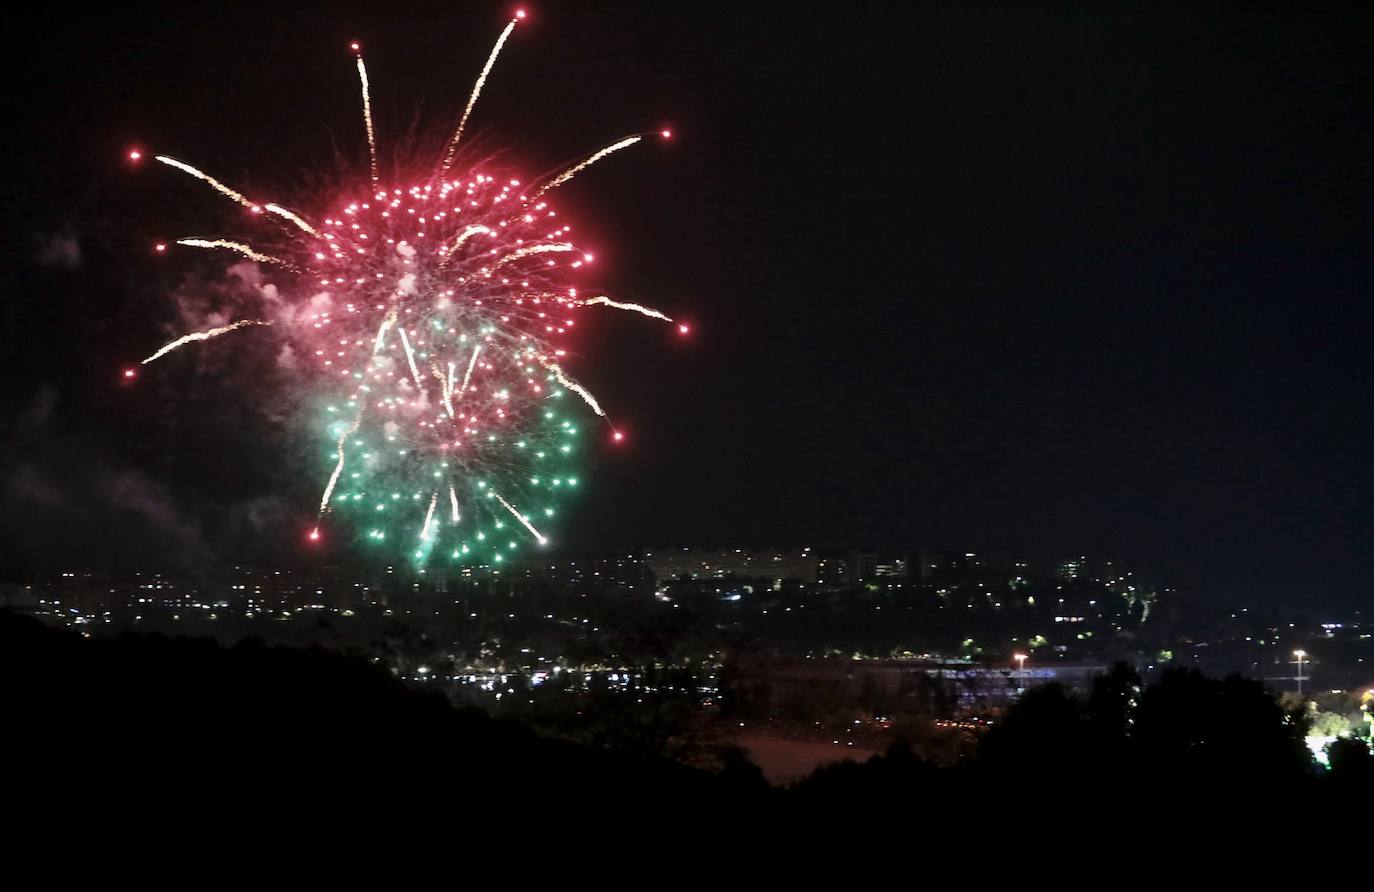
[307, 735]
[158, 714]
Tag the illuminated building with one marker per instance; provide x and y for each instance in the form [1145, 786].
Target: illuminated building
[732, 563]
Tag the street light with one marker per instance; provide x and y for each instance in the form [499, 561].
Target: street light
[1020, 672]
[1301, 655]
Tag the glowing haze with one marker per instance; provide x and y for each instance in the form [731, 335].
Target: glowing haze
[432, 315]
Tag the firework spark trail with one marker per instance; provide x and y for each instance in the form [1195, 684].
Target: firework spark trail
[446, 384]
[520, 517]
[389, 321]
[367, 115]
[206, 178]
[202, 336]
[339, 466]
[588, 162]
[453, 503]
[476, 91]
[241, 248]
[636, 308]
[467, 376]
[429, 516]
[410, 358]
[532, 250]
[572, 385]
[283, 212]
[469, 232]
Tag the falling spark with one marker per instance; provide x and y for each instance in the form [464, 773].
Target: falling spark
[230, 246]
[410, 358]
[283, 212]
[205, 177]
[447, 387]
[588, 162]
[202, 336]
[339, 466]
[381, 332]
[467, 376]
[453, 503]
[531, 250]
[469, 232]
[573, 386]
[636, 308]
[520, 517]
[429, 516]
[367, 113]
[477, 91]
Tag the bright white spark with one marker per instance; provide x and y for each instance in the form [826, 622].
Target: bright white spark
[429, 516]
[283, 212]
[231, 246]
[467, 376]
[583, 165]
[520, 517]
[367, 118]
[448, 389]
[445, 385]
[636, 308]
[206, 178]
[572, 385]
[202, 336]
[531, 250]
[476, 91]
[410, 358]
[339, 466]
[381, 332]
[463, 236]
[453, 503]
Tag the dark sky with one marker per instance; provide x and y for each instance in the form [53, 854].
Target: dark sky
[981, 277]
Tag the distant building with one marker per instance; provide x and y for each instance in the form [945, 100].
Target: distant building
[966, 686]
[845, 569]
[834, 571]
[1071, 569]
[771, 564]
[891, 568]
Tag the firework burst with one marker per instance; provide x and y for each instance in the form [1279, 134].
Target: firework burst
[433, 316]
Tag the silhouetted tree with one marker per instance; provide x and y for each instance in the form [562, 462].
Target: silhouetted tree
[1113, 703]
[1352, 765]
[1192, 729]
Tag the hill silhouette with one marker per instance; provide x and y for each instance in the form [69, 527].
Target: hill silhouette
[311, 738]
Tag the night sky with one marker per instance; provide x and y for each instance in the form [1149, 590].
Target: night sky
[990, 279]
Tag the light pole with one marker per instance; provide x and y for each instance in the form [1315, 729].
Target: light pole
[1020, 672]
[1301, 655]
